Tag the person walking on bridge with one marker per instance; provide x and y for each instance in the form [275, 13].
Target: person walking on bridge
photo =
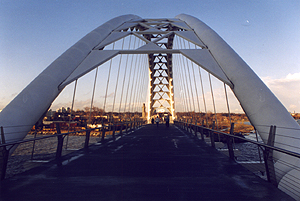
[157, 121]
[167, 121]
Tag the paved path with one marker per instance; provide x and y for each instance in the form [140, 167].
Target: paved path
[148, 164]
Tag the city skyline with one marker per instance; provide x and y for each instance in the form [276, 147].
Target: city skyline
[264, 34]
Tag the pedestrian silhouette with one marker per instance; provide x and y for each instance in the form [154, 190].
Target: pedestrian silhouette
[157, 121]
[167, 120]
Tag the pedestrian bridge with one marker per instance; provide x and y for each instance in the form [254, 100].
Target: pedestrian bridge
[172, 66]
[149, 163]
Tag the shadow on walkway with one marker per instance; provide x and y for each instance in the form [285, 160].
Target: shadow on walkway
[149, 164]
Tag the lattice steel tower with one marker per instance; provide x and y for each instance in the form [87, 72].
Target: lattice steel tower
[160, 67]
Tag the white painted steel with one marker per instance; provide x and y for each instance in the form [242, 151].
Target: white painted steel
[94, 59]
[259, 103]
[203, 58]
[27, 108]
[190, 36]
[114, 36]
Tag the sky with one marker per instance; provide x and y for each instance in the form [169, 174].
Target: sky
[265, 34]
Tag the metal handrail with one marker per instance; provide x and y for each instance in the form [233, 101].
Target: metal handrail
[6, 147]
[266, 148]
[60, 134]
[44, 137]
[291, 153]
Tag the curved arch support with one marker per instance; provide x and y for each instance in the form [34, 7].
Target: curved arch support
[259, 103]
[216, 56]
[36, 98]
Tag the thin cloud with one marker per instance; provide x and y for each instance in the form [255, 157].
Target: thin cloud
[287, 90]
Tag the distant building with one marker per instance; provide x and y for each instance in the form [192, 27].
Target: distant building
[50, 114]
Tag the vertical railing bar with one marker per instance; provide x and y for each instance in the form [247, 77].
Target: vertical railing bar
[229, 143]
[60, 141]
[4, 156]
[87, 137]
[212, 135]
[33, 146]
[73, 100]
[268, 157]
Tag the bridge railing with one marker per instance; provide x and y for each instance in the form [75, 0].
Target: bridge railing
[265, 159]
[114, 130]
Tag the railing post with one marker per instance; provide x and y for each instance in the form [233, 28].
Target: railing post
[196, 128]
[126, 130]
[103, 133]
[33, 146]
[60, 141]
[187, 125]
[229, 143]
[87, 137]
[268, 157]
[130, 125]
[114, 131]
[212, 136]
[201, 130]
[3, 156]
[121, 129]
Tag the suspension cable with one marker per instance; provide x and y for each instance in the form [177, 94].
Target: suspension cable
[226, 95]
[213, 100]
[134, 80]
[186, 82]
[185, 90]
[196, 88]
[118, 75]
[92, 101]
[184, 96]
[129, 80]
[126, 64]
[108, 77]
[144, 82]
[176, 73]
[71, 112]
[187, 67]
[227, 103]
[205, 108]
[176, 87]
[137, 83]
[186, 105]
[182, 89]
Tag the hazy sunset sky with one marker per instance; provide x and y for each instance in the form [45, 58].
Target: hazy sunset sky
[266, 34]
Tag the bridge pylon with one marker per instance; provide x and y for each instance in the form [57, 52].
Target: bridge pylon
[161, 97]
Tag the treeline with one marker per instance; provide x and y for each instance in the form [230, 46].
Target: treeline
[221, 121]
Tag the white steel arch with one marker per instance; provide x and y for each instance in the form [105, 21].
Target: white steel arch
[30, 105]
[259, 103]
[214, 55]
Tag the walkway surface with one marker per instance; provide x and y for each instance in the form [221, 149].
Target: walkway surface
[148, 164]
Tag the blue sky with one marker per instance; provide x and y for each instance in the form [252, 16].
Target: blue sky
[265, 34]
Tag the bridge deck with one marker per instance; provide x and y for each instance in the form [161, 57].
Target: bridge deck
[149, 164]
